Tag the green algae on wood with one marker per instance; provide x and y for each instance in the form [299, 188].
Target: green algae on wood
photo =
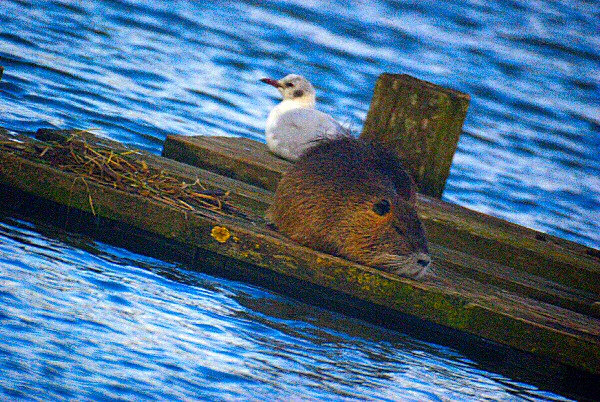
[419, 121]
[569, 264]
[448, 299]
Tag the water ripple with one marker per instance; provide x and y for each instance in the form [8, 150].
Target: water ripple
[76, 316]
[142, 70]
[107, 324]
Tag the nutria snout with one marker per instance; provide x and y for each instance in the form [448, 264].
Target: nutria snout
[351, 198]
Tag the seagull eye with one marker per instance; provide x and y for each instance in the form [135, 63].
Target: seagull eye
[382, 207]
[289, 85]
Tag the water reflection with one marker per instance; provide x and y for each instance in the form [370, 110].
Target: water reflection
[107, 323]
[140, 70]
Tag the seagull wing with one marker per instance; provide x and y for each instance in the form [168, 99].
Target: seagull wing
[297, 129]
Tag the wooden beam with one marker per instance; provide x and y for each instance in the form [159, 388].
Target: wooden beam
[449, 298]
[239, 158]
[492, 239]
[258, 200]
[419, 121]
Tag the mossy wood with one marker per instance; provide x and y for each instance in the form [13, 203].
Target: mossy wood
[257, 200]
[449, 298]
[493, 240]
[419, 121]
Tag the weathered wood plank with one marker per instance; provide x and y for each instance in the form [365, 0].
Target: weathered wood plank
[454, 227]
[448, 299]
[259, 199]
[521, 283]
[515, 280]
[419, 121]
[240, 158]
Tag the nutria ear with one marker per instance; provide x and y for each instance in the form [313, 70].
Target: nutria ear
[390, 165]
[405, 186]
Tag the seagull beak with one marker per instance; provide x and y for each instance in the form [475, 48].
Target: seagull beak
[269, 81]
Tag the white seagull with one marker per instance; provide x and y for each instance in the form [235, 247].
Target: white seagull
[294, 124]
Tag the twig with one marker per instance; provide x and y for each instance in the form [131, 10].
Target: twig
[115, 169]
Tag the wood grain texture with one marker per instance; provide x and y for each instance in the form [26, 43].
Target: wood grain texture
[419, 121]
[527, 251]
[448, 298]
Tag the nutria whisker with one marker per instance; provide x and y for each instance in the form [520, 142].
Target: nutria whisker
[405, 265]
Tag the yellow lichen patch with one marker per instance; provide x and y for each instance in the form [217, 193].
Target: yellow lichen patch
[220, 233]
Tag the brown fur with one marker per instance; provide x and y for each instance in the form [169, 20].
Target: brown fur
[325, 201]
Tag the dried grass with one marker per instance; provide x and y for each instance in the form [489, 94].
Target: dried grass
[121, 171]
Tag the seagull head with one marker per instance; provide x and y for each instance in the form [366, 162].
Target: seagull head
[294, 87]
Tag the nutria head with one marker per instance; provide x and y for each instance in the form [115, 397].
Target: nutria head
[348, 197]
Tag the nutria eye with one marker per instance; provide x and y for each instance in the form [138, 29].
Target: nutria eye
[382, 207]
[289, 85]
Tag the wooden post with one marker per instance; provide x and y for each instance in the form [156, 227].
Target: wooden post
[419, 121]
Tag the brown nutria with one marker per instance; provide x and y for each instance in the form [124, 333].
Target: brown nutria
[348, 197]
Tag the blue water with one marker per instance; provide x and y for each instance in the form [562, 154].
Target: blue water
[81, 319]
[78, 319]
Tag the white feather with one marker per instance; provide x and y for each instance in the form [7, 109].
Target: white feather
[294, 124]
